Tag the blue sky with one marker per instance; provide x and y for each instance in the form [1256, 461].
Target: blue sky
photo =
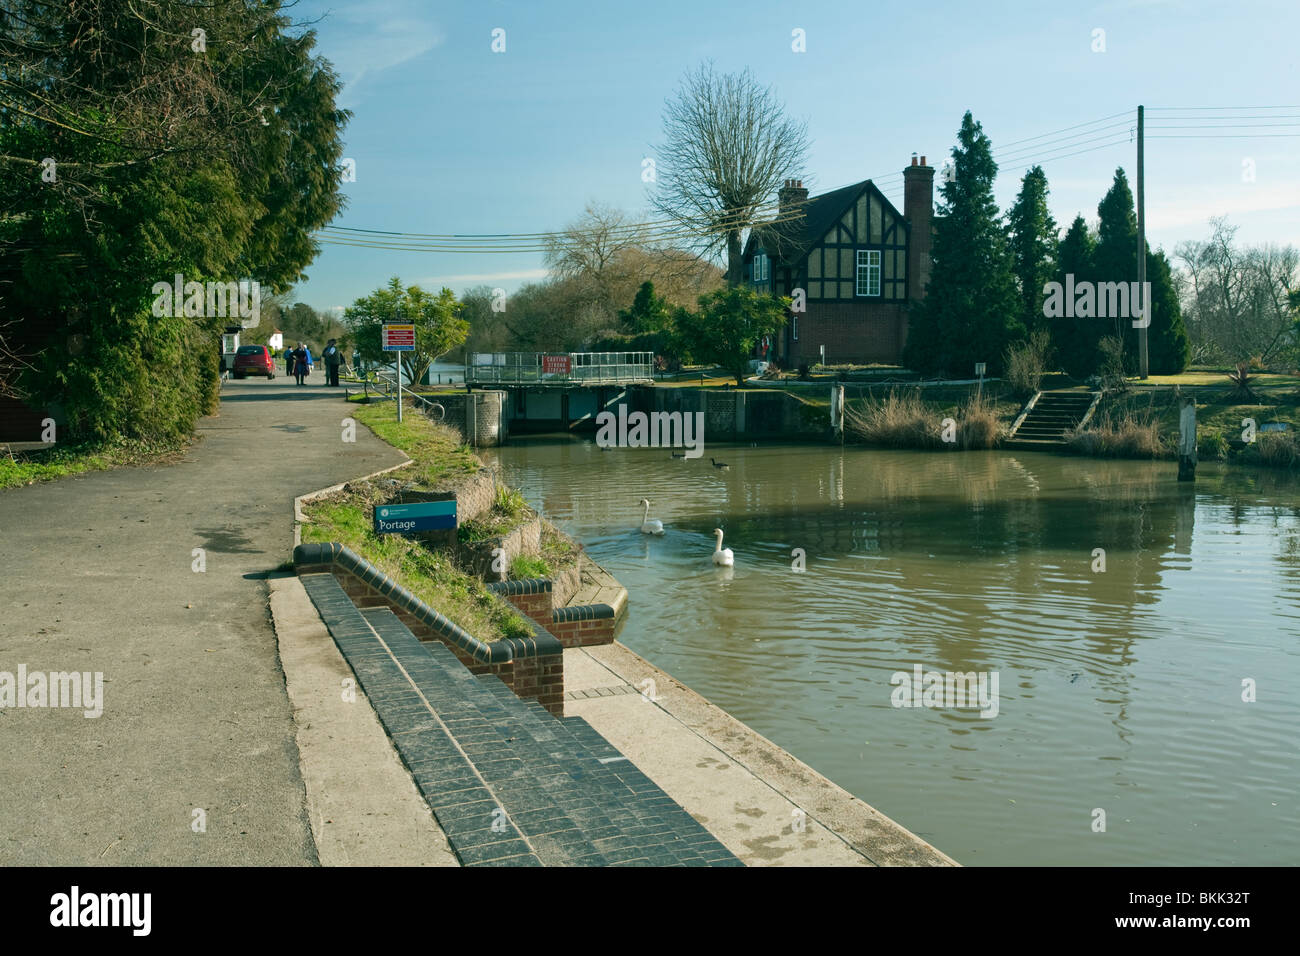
[450, 137]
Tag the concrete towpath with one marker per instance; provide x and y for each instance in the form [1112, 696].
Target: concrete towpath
[194, 759]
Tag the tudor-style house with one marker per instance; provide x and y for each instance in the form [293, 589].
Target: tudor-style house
[858, 260]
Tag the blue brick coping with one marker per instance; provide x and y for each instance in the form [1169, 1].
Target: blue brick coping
[524, 586]
[583, 612]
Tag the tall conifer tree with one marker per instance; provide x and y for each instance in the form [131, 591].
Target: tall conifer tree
[1168, 349]
[971, 310]
[1033, 246]
[1116, 261]
[1076, 338]
[1116, 256]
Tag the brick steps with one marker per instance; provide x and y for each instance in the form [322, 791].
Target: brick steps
[509, 783]
[647, 806]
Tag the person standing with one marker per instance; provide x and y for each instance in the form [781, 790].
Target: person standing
[301, 362]
[332, 357]
[288, 361]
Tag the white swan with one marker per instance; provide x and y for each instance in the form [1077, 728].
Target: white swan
[648, 526]
[721, 555]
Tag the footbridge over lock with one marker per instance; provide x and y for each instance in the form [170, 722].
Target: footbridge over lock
[558, 391]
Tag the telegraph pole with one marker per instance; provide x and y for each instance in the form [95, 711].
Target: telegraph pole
[1142, 254]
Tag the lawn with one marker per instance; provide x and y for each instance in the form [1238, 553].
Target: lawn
[438, 451]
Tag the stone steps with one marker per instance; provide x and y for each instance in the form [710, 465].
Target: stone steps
[1054, 414]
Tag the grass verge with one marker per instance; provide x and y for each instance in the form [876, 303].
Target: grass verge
[439, 452]
[61, 461]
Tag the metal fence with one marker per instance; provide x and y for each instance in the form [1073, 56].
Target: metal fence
[559, 368]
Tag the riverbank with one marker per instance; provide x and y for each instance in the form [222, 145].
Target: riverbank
[498, 535]
[1142, 422]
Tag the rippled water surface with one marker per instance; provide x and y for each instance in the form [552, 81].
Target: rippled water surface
[1118, 690]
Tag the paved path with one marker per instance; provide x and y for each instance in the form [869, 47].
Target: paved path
[96, 575]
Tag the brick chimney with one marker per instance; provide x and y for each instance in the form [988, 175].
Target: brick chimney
[918, 210]
[792, 199]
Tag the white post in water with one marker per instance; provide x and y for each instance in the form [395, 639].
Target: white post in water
[837, 410]
[1187, 440]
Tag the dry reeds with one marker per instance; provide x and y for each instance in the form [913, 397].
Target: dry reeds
[904, 420]
[1130, 435]
[895, 421]
[1278, 449]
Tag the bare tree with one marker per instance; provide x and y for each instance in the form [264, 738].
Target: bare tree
[12, 363]
[728, 147]
[1274, 271]
[591, 244]
[1236, 299]
[601, 259]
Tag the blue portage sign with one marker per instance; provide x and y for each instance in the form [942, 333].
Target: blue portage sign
[420, 516]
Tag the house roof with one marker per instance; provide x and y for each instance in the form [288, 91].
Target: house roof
[820, 213]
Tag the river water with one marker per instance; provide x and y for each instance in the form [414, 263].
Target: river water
[1119, 690]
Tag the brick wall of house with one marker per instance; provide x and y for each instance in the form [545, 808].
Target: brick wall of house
[918, 209]
[858, 332]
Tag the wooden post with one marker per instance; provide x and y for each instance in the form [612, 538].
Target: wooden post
[1143, 364]
[837, 411]
[1187, 440]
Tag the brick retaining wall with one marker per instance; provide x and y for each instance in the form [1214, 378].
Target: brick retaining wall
[578, 626]
[532, 667]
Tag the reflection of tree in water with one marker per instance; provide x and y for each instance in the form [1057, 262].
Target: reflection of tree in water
[988, 551]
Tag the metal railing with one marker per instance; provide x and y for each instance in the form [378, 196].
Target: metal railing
[386, 381]
[562, 368]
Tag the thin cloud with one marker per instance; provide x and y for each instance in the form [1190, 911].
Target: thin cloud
[365, 38]
[1186, 211]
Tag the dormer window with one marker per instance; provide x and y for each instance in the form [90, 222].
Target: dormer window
[761, 270]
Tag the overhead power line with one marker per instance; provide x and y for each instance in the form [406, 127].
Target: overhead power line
[1218, 136]
[1074, 140]
[662, 228]
[1212, 109]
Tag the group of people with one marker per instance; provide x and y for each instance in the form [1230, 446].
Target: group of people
[298, 362]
